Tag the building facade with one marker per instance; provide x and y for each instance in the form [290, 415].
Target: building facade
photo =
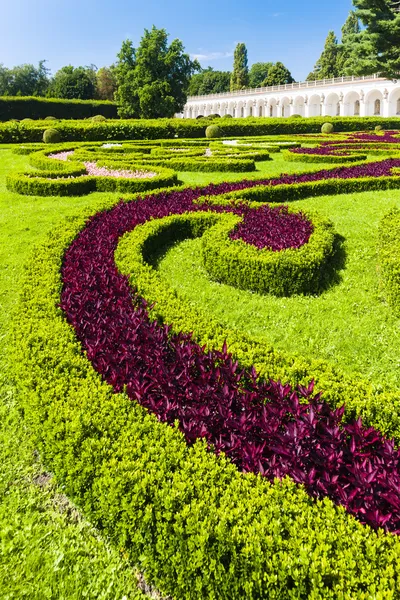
[342, 96]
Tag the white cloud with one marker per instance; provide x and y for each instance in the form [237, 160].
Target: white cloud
[211, 55]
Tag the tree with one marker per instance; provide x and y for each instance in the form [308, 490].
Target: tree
[240, 73]
[152, 81]
[259, 73]
[327, 64]
[278, 74]
[73, 83]
[209, 82]
[24, 80]
[378, 45]
[345, 58]
[106, 83]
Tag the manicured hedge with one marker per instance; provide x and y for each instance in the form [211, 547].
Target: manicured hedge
[195, 525]
[389, 257]
[304, 270]
[325, 158]
[39, 108]
[182, 128]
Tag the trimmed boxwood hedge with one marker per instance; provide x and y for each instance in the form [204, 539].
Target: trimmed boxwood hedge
[303, 270]
[389, 257]
[325, 158]
[17, 107]
[195, 525]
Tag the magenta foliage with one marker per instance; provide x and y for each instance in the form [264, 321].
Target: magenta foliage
[273, 228]
[261, 426]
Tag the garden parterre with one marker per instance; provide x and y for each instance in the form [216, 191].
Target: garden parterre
[98, 445]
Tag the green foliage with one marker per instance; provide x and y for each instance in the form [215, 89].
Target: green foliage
[346, 52]
[106, 84]
[300, 271]
[240, 73]
[152, 81]
[24, 80]
[98, 118]
[389, 258]
[73, 83]
[324, 158]
[39, 108]
[278, 74]
[51, 136]
[209, 81]
[327, 128]
[326, 66]
[375, 48]
[213, 131]
[259, 73]
[50, 119]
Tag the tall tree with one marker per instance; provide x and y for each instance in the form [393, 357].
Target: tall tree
[209, 82]
[106, 83]
[240, 73]
[153, 80]
[278, 74]
[259, 73]
[327, 64]
[24, 80]
[73, 83]
[377, 46]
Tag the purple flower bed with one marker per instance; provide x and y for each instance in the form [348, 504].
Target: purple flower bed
[273, 228]
[261, 426]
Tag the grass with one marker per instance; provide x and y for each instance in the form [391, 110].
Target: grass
[47, 550]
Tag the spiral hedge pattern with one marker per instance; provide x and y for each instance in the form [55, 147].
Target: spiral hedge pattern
[198, 504]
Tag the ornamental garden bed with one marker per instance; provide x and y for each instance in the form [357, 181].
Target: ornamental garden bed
[227, 459]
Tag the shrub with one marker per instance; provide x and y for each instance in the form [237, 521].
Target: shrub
[98, 118]
[227, 116]
[327, 128]
[50, 118]
[200, 117]
[213, 131]
[214, 116]
[38, 108]
[378, 128]
[51, 136]
[295, 116]
[27, 120]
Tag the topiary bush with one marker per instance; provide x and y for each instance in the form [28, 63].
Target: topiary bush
[98, 118]
[295, 116]
[213, 131]
[50, 118]
[51, 136]
[378, 128]
[327, 128]
[26, 120]
[200, 117]
[227, 116]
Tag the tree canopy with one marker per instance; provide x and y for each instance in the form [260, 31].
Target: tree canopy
[327, 64]
[209, 81]
[24, 80]
[153, 80]
[259, 73]
[240, 73]
[278, 74]
[74, 83]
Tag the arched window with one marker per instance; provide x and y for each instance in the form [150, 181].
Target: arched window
[398, 107]
[338, 109]
[250, 111]
[377, 107]
[242, 111]
[234, 112]
[271, 111]
[283, 110]
[260, 111]
[356, 108]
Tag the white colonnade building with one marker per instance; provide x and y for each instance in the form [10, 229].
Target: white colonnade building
[365, 96]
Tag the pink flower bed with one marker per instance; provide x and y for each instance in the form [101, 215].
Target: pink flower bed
[93, 169]
[61, 155]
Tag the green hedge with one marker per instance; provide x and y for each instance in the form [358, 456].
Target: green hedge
[195, 526]
[324, 158]
[304, 270]
[39, 108]
[182, 128]
[389, 257]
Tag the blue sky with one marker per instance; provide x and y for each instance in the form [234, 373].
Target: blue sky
[84, 32]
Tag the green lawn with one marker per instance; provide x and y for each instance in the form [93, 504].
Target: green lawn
[47, 549]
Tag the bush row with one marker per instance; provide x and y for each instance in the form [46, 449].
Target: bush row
[183, 128]
[389, 257]
[39, 108]
[191, 522]
[325, 158]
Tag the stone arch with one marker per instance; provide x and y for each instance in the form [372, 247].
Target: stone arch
[352, 104]
[284, 110]
[272, 108]
[299, 106]
[374, 104]
[240, 109]
[231, 108]
[394, 103]
[260, 108]
[314, 105]
[331, 104]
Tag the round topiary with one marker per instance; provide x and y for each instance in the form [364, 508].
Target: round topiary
[98, 118]
[26, 120]
[51, 136]
[378, 128]
[200, 117]
[227, 116]
[213, 131]
[327, 128]
[50, 119]
[295, 116]
[214, 116]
